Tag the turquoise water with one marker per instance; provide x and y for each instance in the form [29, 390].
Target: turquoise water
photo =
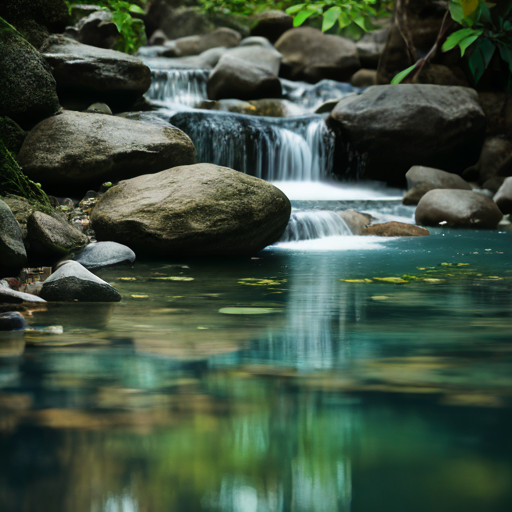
[297, 380]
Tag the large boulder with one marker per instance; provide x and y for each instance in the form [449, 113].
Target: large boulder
[98, 29]
[73, 282]
[272, 25]
[194, 45]
[200, 209]
[79, 150]
[50, 238]
[503, 197]
[310, 55]
[35, 19]
[237, 77]
[422, 179]
[13, 256]
[457, 209]
[394, 127]
[28, 89]
[95, 73]
[105, 254]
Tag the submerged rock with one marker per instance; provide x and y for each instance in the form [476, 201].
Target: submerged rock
[80, 150]
[200, 209]
[310, 55]
[10, 296]
[503, 197]
[395, 229]
[13, 256]
[28, 90]
[73, 282]
[50, 238]
[105, 254]
[398, 126]
[457, 209]
[422, 179]
[12, 322]
[97, 73]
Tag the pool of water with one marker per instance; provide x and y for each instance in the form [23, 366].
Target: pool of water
[376, 375]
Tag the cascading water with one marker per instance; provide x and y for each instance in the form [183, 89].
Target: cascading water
[309, 225]
[178, 86]
[281, 149]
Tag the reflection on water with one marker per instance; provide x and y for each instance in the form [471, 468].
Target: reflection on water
[354, 395]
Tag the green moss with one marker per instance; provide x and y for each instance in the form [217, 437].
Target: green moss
[13, 181]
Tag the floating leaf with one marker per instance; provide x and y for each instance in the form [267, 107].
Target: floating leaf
[394, 280]
[380, 297]
[172, 278]
[247, 311]
[127, 279]
[140, 296]
[356, 280]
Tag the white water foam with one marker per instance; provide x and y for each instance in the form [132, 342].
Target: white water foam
[335, 243]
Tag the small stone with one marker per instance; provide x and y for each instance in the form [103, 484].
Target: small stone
[73, 282]
[99, 108]
[104, 254]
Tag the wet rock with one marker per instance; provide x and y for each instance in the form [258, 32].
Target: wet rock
[267, 108]
[356, 221]
[497, 106]
[422, 179]
[236, 77]
[35, 19]
[194, 45]
[383, 125]
[202, 209]
[503, 197]
[79, 11]
[395, 229]
[272, 25]
[11, 134]
[326, 107]
[364, 78]
[438, 74]
[12, 322]
[371, 46]
[495, 159]
[10, 296]
[105, 254]
[158, 38]
[13, 256]
[310, 55]
[98, 29]
[81, 151]
[73, 282]
[101, 75]
[28, 90]
[22, 210]
[183, 22]
[50, 238]
[457, 209]
[492, 184]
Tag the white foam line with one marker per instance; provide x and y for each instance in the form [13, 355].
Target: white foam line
[336, 243]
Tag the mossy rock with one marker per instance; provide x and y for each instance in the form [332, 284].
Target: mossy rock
[11, 134]
[28, 87]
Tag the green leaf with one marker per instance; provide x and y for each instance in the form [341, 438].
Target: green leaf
[454, 39]
[294, 8]
[363, 23]
[302, 17]
[480, 58]
[398, 78]
[466, 43]
[135, 8]
[485, 14]
[457, 12]
[330, 17]
[343, 20]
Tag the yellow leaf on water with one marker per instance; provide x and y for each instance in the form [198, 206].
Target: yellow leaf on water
[127, 279]
[140, 296]
[380, 297]
[173, 278]
[356, 280]
[394, 280]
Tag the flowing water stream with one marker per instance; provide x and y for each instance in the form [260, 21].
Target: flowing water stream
[330, 372]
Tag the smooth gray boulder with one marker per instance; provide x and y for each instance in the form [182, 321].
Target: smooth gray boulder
[393, 127]
[10, 296]
[73, 282]
[13, 256]
[236, 76]
[195, 45]
[50, 239]
[12, 322]
[272, 25]
[200, 209]
[28, 91]
[256, 41]
[422, 179]
[310, 55]
[77, 150]
[105, 254]
[457, 209]
[96, 73]
[503, 197]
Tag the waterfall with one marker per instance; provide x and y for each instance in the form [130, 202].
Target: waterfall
[180, 86]
[274, 149]
[313, 224]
